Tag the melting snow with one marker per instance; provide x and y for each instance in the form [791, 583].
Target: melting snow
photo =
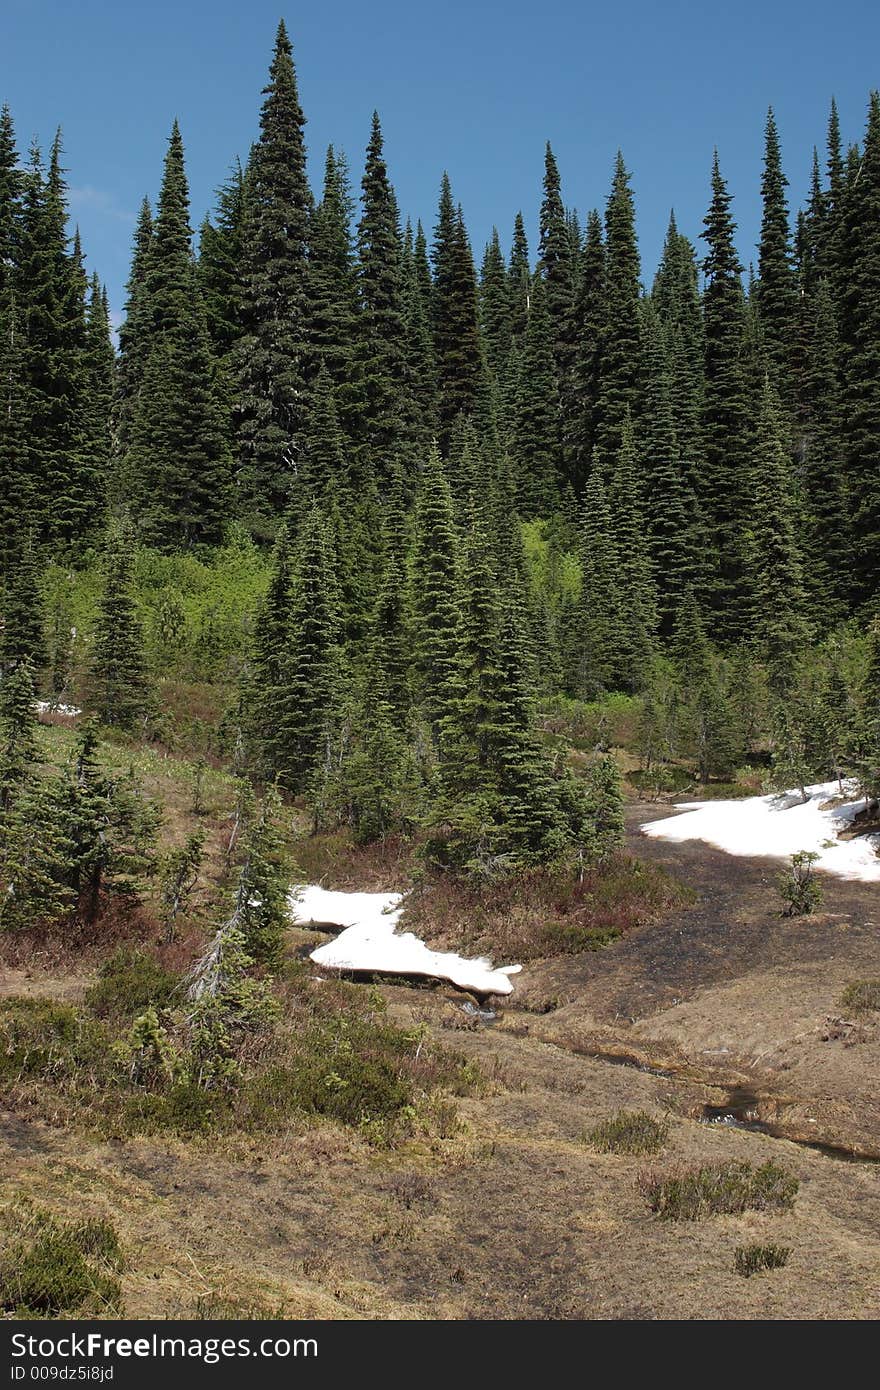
[370, 941]
[46, 707]
[780, 825]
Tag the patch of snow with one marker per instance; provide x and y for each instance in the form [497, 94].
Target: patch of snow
[370, 941]
[779, 826]
[46, 707]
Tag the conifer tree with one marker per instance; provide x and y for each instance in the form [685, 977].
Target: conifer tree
[457, 346]
[435, 593]
[382, 315]
[264, 883]
[599, 612]
[779, 627]
[18, 746]
[134, 344]
[776, 289]
[535, 444]
[860, 339]
[221, 257]
[669, 502]
[590, 319]
[675, 297]
[333, 294]
[22, 635]
[119, 689]
[557, 259]
[632, 642]
[272, 353]
[420, 397]
[519, 278]
[618, 387]
[495, 307]
[722, 480]
[178, 461]
[309, 666]
[99, 371]
[828, 575]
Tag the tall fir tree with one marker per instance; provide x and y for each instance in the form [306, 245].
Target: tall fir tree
[860, 340]
[221, 257]
[722, 481]
[179, 462]
[776, 289]
[435, 594]
[779, 627]
[619, 380]
[381, 340]
[587, 366]
[558, 254]
[272, 352]
[457, 347]
[333, 294]
[536, 452]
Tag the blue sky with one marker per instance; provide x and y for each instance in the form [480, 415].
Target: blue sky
[476, 88]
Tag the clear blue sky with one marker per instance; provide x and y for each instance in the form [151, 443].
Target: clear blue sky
[475, 88]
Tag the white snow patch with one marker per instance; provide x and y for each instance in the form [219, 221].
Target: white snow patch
[46, 707]
[370, 941]
[780, 825]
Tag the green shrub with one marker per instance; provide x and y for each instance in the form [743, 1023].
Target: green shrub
[48, 1269]
[686, 1194]
[128, 983]
[42, 1038]
[629, 1132]
[184, 1108]
[752, 1259]
[861, 997]
[798, 886]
